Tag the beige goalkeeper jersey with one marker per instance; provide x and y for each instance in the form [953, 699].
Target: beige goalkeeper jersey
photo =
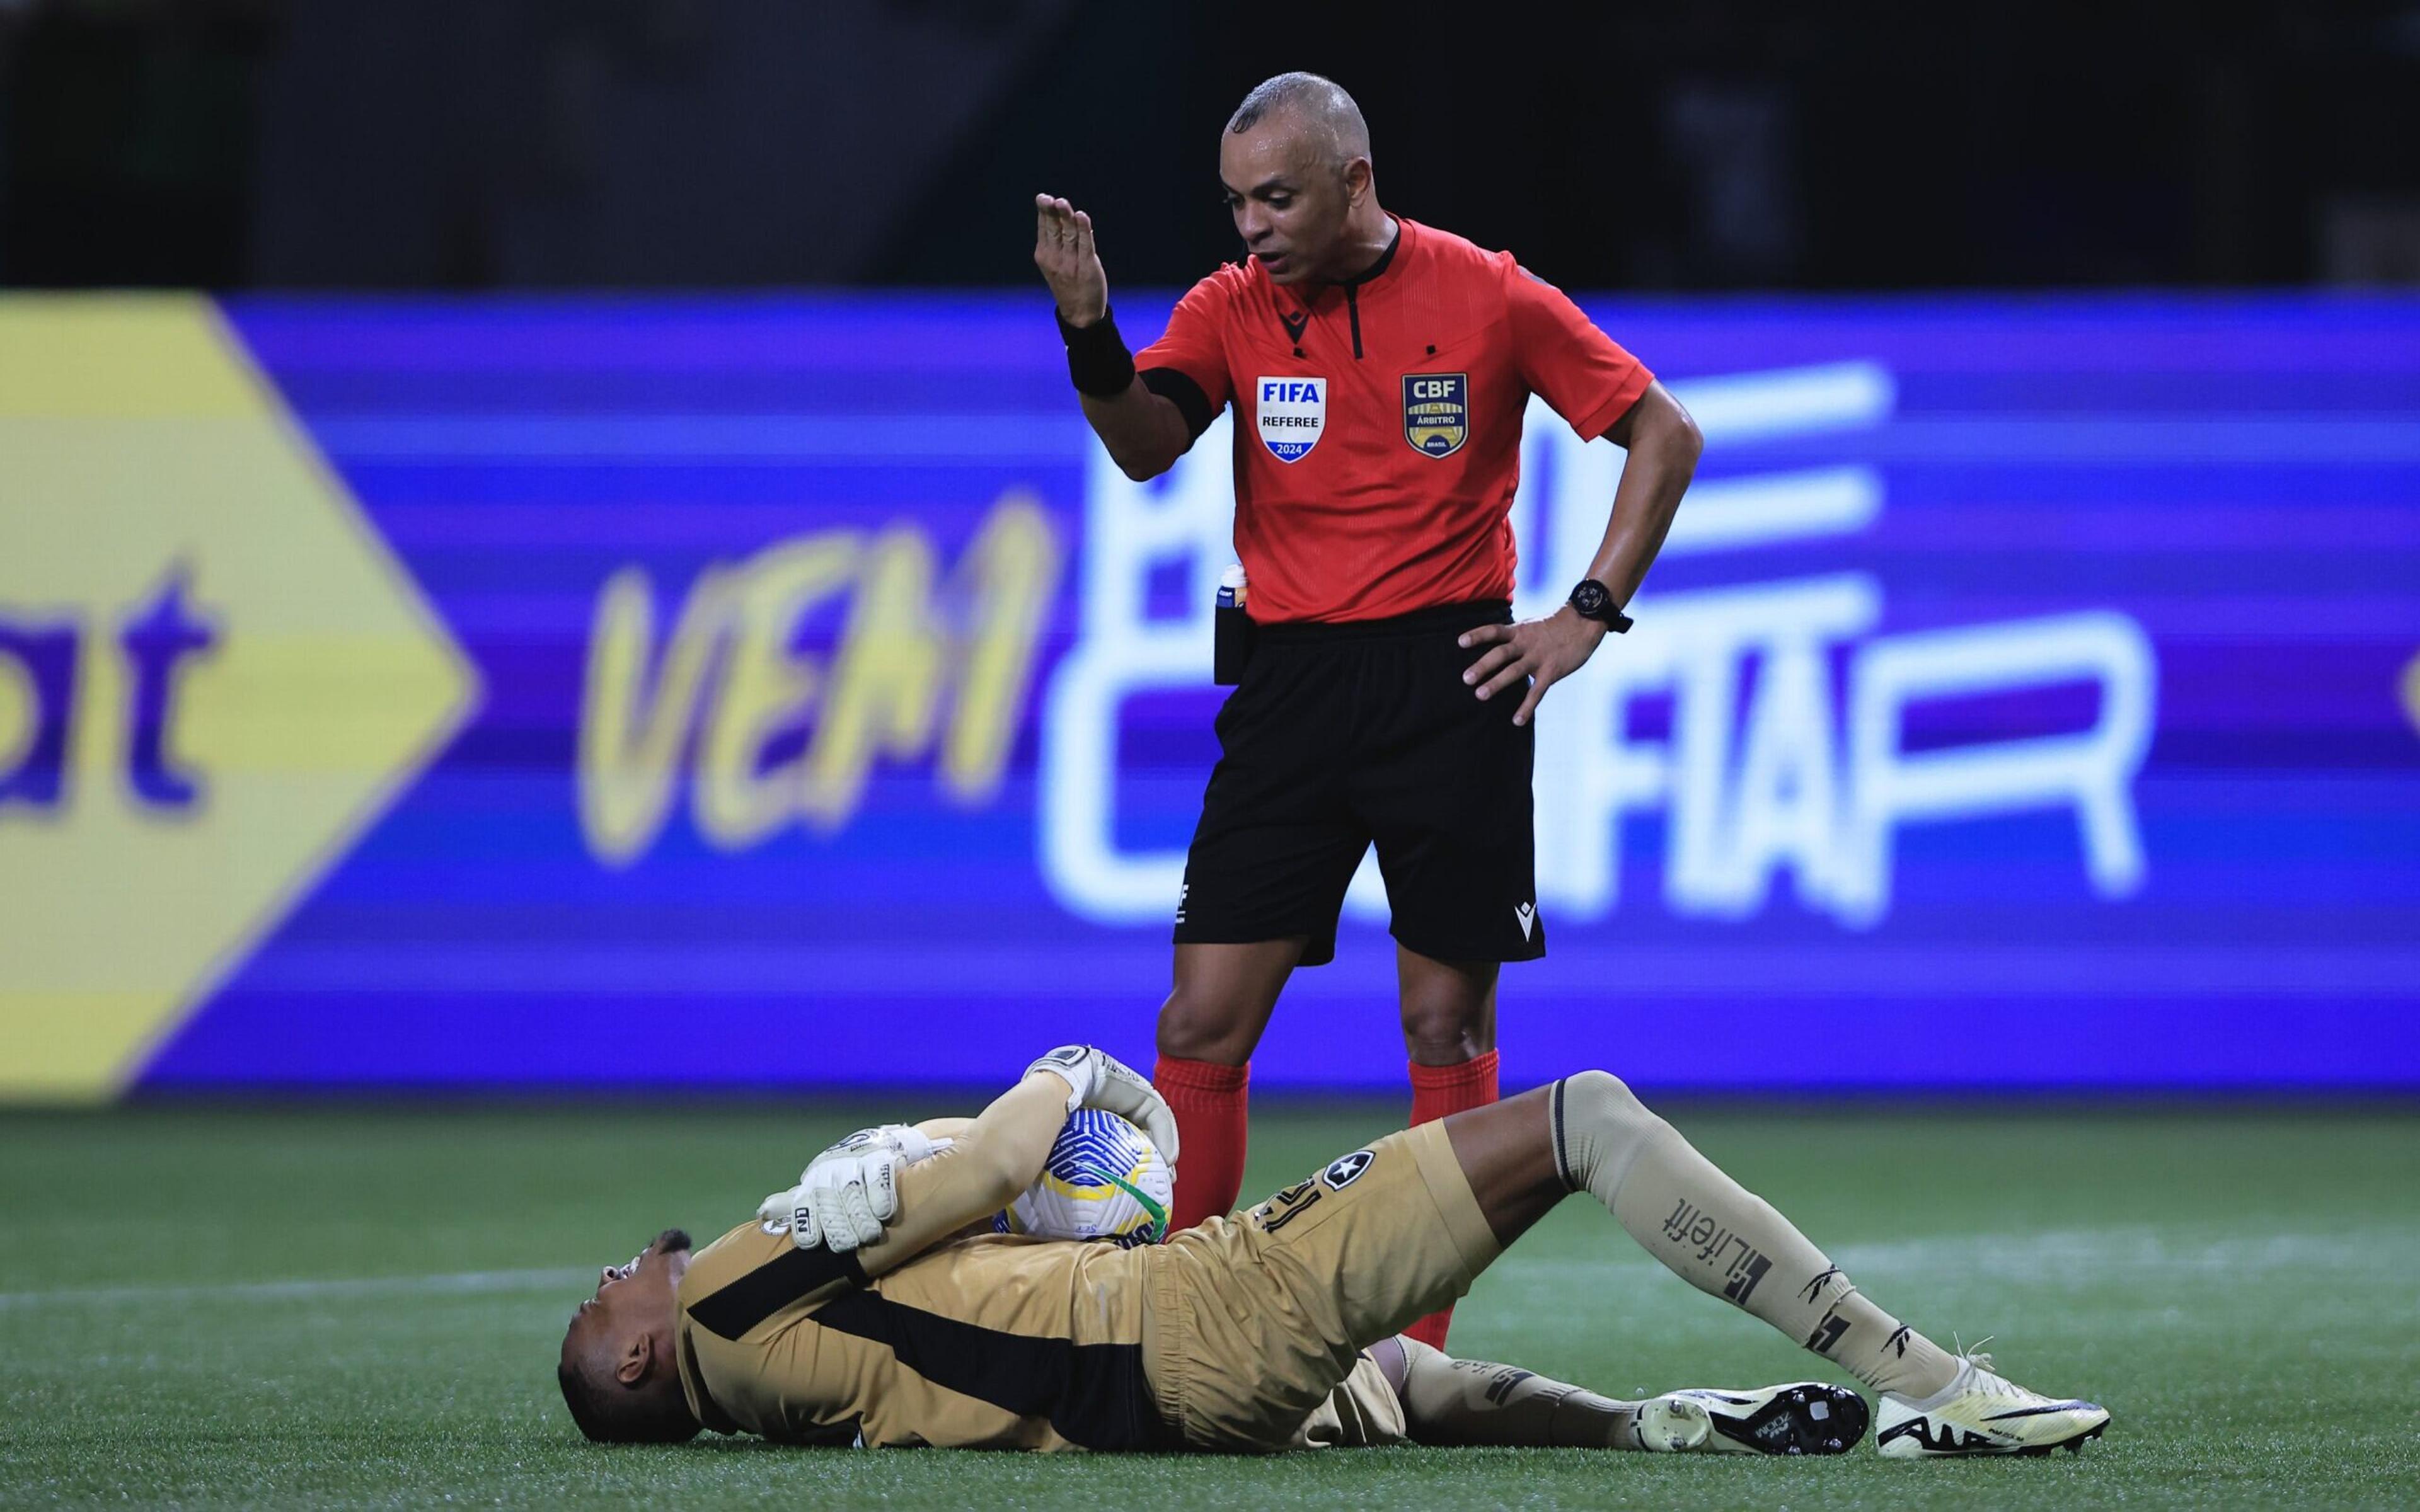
[996, 1342]
[1241, 1334]
[931, 1337]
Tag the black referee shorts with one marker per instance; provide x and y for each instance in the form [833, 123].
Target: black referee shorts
[1341, 736]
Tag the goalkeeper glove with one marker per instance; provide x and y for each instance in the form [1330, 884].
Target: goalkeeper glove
[1096, 1079]
[848, 1193]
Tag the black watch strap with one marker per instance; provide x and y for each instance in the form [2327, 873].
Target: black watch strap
[1593, 600]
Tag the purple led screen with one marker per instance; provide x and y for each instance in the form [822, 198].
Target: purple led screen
[2027, 697]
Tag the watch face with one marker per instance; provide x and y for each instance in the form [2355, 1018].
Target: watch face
[1589, 597]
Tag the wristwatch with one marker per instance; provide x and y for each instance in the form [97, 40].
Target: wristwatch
[1593, 600]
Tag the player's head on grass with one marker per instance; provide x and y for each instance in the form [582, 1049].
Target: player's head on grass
[617, 1373]
[1295, 162]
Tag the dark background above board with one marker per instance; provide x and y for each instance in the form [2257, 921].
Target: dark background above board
[486, 144]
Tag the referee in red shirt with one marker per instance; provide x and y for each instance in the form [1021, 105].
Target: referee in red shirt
[1379, 369]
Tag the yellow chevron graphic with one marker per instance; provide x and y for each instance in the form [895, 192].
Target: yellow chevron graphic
[213, 676]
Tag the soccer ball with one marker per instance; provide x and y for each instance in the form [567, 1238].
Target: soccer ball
[1105, 1180]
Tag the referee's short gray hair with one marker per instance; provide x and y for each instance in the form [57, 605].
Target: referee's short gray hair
[1319, 103]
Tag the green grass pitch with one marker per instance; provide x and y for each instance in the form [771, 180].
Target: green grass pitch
[362, 1308]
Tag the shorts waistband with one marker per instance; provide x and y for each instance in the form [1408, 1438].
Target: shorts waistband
[1455, 617]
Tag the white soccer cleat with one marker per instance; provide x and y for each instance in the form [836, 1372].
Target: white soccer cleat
[1980, 1413]
[1803, 1417]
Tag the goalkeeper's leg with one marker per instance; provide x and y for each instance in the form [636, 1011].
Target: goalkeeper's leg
[1474, 1402]
[1587, 1133]
[1265, 1314]
[1730, 1243]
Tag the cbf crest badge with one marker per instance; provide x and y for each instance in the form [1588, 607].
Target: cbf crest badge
[1436, 412]
[1292, 411]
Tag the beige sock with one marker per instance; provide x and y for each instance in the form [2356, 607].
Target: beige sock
[1727, 1241]
[1463, 1402]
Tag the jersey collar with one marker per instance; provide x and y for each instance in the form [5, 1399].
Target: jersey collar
[1389, 264]
[1386, 259]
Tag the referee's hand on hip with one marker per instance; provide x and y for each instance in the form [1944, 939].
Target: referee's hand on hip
[1545, 651]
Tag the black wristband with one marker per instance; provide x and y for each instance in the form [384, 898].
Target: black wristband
[1098, 363]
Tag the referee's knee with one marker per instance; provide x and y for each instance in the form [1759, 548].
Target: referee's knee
[1196, 1026]
[1447, 1034]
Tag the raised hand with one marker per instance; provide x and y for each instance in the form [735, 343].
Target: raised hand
[1062, 248]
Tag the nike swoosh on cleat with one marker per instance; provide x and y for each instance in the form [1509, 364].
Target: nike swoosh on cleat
[1945, 1440]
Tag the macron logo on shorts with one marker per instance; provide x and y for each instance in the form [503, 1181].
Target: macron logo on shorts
[1291, 413]
[1528, 917]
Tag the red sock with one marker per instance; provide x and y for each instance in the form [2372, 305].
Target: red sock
[1438, 1090]
[1209, 1102]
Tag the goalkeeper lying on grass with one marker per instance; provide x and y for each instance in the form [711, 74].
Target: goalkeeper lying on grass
[873, 1306]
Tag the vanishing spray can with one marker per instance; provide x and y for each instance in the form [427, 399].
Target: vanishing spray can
[1230, 644]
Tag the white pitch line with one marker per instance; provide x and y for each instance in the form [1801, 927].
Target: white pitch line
[2024, 1256]
[458, 1283]
[2075, 1254]
[2081, 1252]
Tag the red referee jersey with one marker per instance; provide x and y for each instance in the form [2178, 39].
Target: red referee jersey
[1379, 421]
